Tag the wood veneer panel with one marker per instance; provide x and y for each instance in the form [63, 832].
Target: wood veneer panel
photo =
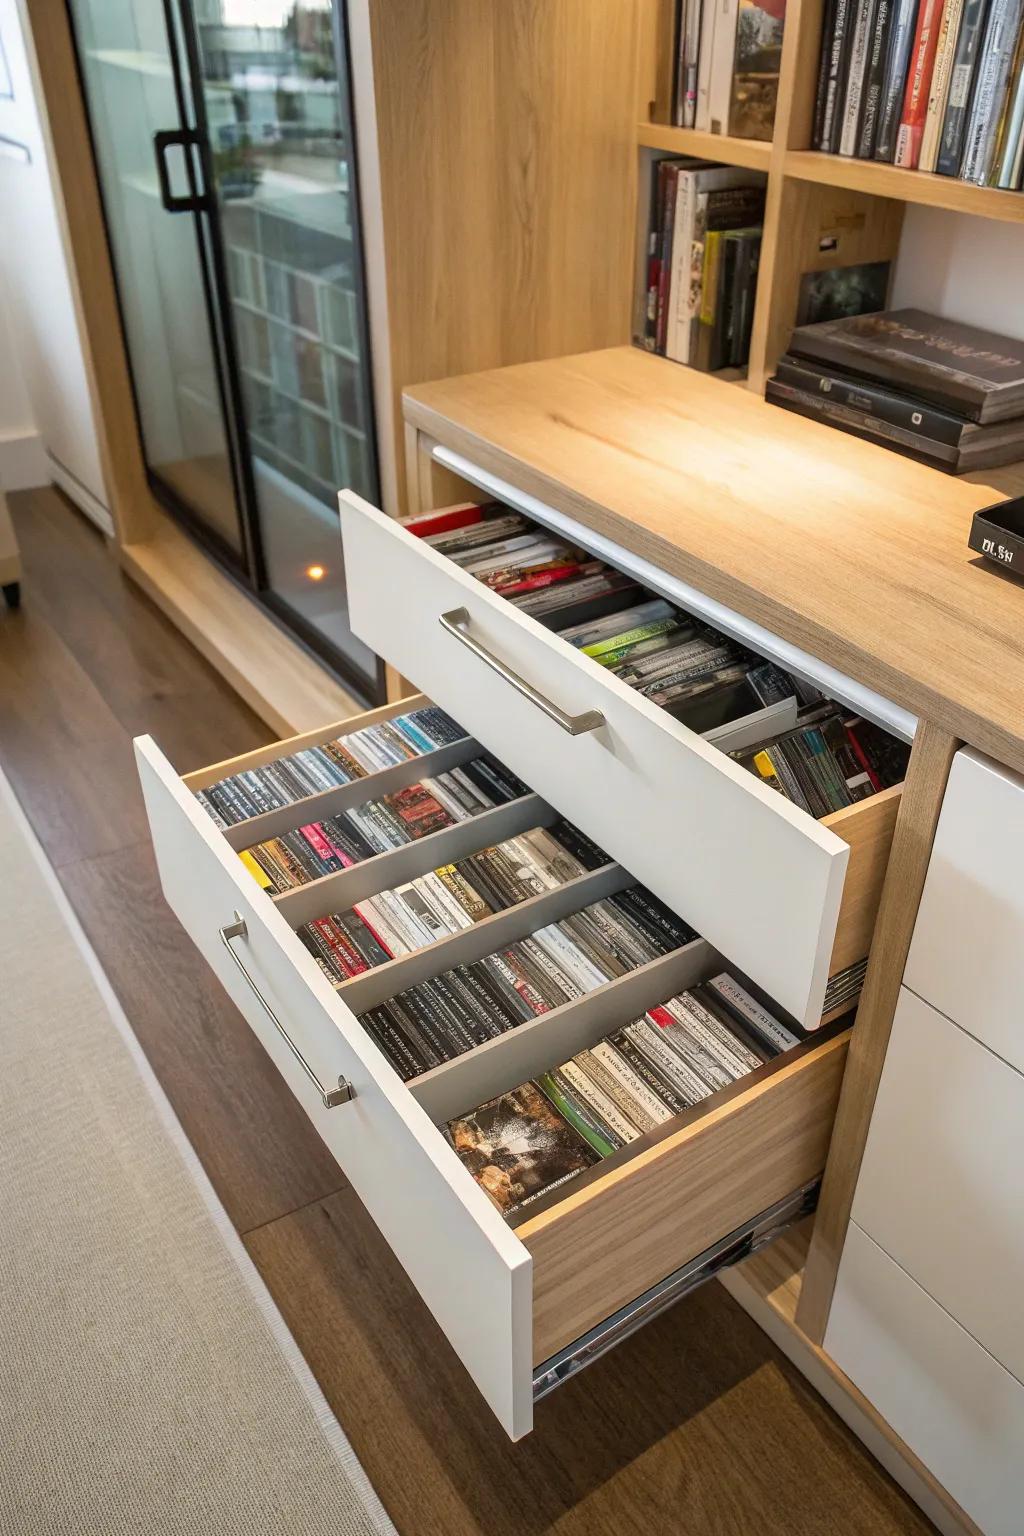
[671, 1202]
[930, 762]
[850, 551]
[868, 827]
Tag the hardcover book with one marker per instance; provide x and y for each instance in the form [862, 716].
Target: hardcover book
[755, 80]
[961, 81]
[919, 80]
[973, 372]
[901, 38]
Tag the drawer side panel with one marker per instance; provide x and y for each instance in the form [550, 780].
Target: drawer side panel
[470, 1269]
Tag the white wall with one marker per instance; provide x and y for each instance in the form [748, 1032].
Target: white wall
[40, 302]
[965, 268]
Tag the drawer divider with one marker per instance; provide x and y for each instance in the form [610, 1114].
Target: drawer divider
[331, 802]
[335, 893]
[546, 1041]
[490, 933]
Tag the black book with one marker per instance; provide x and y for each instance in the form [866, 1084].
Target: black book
[874, 80]
[971, 372]
[897, 62]
[971, 445]
[838, 45]
[961, 81]
[859, 424]
[828, 23]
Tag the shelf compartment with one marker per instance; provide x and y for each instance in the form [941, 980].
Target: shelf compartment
[921, 187]
[754, 154]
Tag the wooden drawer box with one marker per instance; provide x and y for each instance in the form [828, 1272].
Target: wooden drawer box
[789, 899]
[507, 1299]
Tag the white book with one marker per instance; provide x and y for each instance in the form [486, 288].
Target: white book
[683, 303]
[860, 46]
[570, 957]
[942, 74]
[723, 58]
[702, 114]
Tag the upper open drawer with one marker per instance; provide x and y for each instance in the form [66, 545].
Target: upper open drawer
[760, 878]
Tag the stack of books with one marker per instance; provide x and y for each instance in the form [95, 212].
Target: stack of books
[947, 394]
[442, 1018]
[336, 842]
[932, 85]
[704, 227]
[727, 58]
[287, 780]
[448, 899]
[527, 1142]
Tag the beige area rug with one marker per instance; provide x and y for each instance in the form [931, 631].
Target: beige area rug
[148, 1385]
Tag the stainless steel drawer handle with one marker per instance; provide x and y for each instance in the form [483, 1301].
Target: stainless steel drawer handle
[455, 623]
[330, 1096]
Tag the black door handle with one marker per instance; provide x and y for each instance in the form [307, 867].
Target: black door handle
[186, 140]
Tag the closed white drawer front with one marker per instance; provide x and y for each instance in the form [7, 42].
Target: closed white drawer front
[761, 879]
[941, 1187]
[509, 1300]
[956, 1407]
[967, 956]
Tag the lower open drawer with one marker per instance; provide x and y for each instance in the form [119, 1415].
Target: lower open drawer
[509, 1300]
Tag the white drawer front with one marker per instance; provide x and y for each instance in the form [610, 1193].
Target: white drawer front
[470, 1269]
[967, 957]
[940, 1187]
[956, 1407]
[756, 876]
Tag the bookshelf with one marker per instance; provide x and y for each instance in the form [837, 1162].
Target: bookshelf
[823, 211]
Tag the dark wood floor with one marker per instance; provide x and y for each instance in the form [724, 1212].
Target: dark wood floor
[697, 1425]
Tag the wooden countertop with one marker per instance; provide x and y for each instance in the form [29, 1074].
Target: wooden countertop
[848, 550]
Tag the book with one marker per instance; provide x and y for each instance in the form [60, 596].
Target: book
[835, 43]
[961, 82]
[874, 79]
[861, 36]
[897, 60]
[919, 79]
[755, 72]
[950, 441]
[991, 85]
[942, 73]
[689, 48]
[737, 206]
[838, 291]
[708, 20]
[723, 53]
[1005, 170]
[972, 372]
[517, 1146]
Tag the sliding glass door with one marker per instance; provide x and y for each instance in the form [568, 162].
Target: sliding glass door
[223, 135]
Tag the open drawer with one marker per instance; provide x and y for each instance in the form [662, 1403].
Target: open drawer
[511, 1300]
[789, 899]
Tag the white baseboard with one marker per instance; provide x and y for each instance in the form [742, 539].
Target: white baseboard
[23, 462]
[80, 494]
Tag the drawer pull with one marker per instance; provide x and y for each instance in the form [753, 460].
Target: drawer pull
[455, 623]
[330, 1096]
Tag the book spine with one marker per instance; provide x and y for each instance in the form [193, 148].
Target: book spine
[911, 415]
[831, 114]
[1006, 170]
[949, 29]
[860, 41]
[901, 40]
[989, 90]
[828, 23]
[720, 87]
[919, 80]
[709, 16]
[691, 46]
[961, 81]
[873, 80]
[677, 337]
[679, 71]
[665, 261]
